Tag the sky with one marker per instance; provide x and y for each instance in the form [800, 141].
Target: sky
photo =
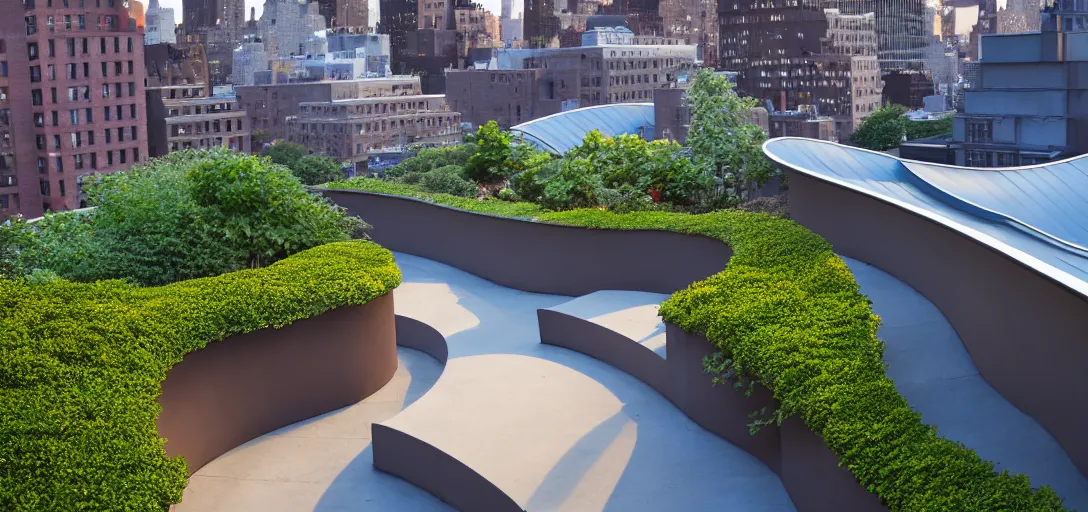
[491, 5]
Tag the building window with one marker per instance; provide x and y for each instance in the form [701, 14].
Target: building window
[56, 118]
[74, 114]
[978, 158]
[89, 114]
[109, 154]
[60, 164]
[62, 181]
[980, 130]
[1005, 158]
[132, 111]
[106, 112]
[56, 142]
[135, 155]
[121, 155]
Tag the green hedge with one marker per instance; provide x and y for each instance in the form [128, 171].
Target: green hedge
[81, 364]
[788, 313]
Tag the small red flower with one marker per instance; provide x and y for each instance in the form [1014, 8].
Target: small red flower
[655, 194]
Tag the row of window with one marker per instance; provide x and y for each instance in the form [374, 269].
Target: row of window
[68, 22]
[78, 139]
[88, 161]
[109, 113]
[68, 4]
[73, 46]
[72, 72]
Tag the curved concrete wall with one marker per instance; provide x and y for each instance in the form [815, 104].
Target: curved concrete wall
[537, 257]
[1025, 332]
[244, 386]
[808, 469]
[574, 261]
[417, 335]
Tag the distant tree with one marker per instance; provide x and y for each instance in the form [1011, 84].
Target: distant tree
[887, 127]
[722, 138]
[882, 130]
[317, 169]
[285, 153]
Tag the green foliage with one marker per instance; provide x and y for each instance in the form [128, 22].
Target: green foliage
[787, 314]
[429, 159]
[448, 180]
[189, 214]
[923, 129]
[488, 166]
[317, 169]
[723, 141]
[887, 127]
[489, 206]
[622, 173]
[13, 236]
[81, 367]
[285, 153]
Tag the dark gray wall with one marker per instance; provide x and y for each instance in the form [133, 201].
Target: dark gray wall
[537, 257]
[1027, 334]
[248, 385]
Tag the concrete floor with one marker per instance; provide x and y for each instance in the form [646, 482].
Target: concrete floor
[632, 314]
[554, 429]
[323, 464]
[933, 370]
[557, 430]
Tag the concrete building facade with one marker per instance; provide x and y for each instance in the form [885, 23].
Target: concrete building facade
[269, 105]
[1030, 102]
[182, 112]
[507, 96]
[71, 102]
[348, 129]
[159, 24]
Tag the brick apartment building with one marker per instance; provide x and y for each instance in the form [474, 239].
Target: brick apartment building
[268, 106]
[348, 130]
[537, 82]
[71, 100]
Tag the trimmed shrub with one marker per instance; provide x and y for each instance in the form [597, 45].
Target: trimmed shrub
[448, 180]
[188, 214]
[81, 367]
[787, 313]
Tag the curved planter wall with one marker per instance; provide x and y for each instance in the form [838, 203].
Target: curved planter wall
[808, 469]
[574, 261]
[537, 257]
[1027, 335]
[245, 386]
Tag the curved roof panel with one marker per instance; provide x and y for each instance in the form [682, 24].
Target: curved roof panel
[558, 133]
[1036, 215]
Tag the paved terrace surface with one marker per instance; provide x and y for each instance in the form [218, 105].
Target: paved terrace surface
[932, 369]
[557, 430]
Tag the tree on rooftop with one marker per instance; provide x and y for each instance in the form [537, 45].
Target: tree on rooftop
[722, 139]
[317, 169]
[883, 129]
[488, 165]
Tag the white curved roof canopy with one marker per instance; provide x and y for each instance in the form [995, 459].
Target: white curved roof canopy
[1037, 215]
[559, 133]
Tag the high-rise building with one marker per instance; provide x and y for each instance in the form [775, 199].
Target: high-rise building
[220, 26]
[541, 22]
[159, 24]
[344, 13]
[71, 101]
[398, 18]
[694, 21]
[900, 29]
[796, 53]
[288, 27]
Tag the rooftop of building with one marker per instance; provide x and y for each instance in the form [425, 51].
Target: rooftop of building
[372, 99]
[558, 133]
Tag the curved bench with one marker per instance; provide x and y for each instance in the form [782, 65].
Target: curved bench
[235, 390]
[567, 260]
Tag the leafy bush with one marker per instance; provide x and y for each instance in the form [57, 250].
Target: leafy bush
[285, 153]
[448, 180]
[787, 314]
[488, 165]
[317, 169]
[189, 214]
[887, 127]
[624, 173]
[432, 158]
[82, 366]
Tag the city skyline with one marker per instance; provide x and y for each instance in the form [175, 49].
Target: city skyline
[494, 6]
